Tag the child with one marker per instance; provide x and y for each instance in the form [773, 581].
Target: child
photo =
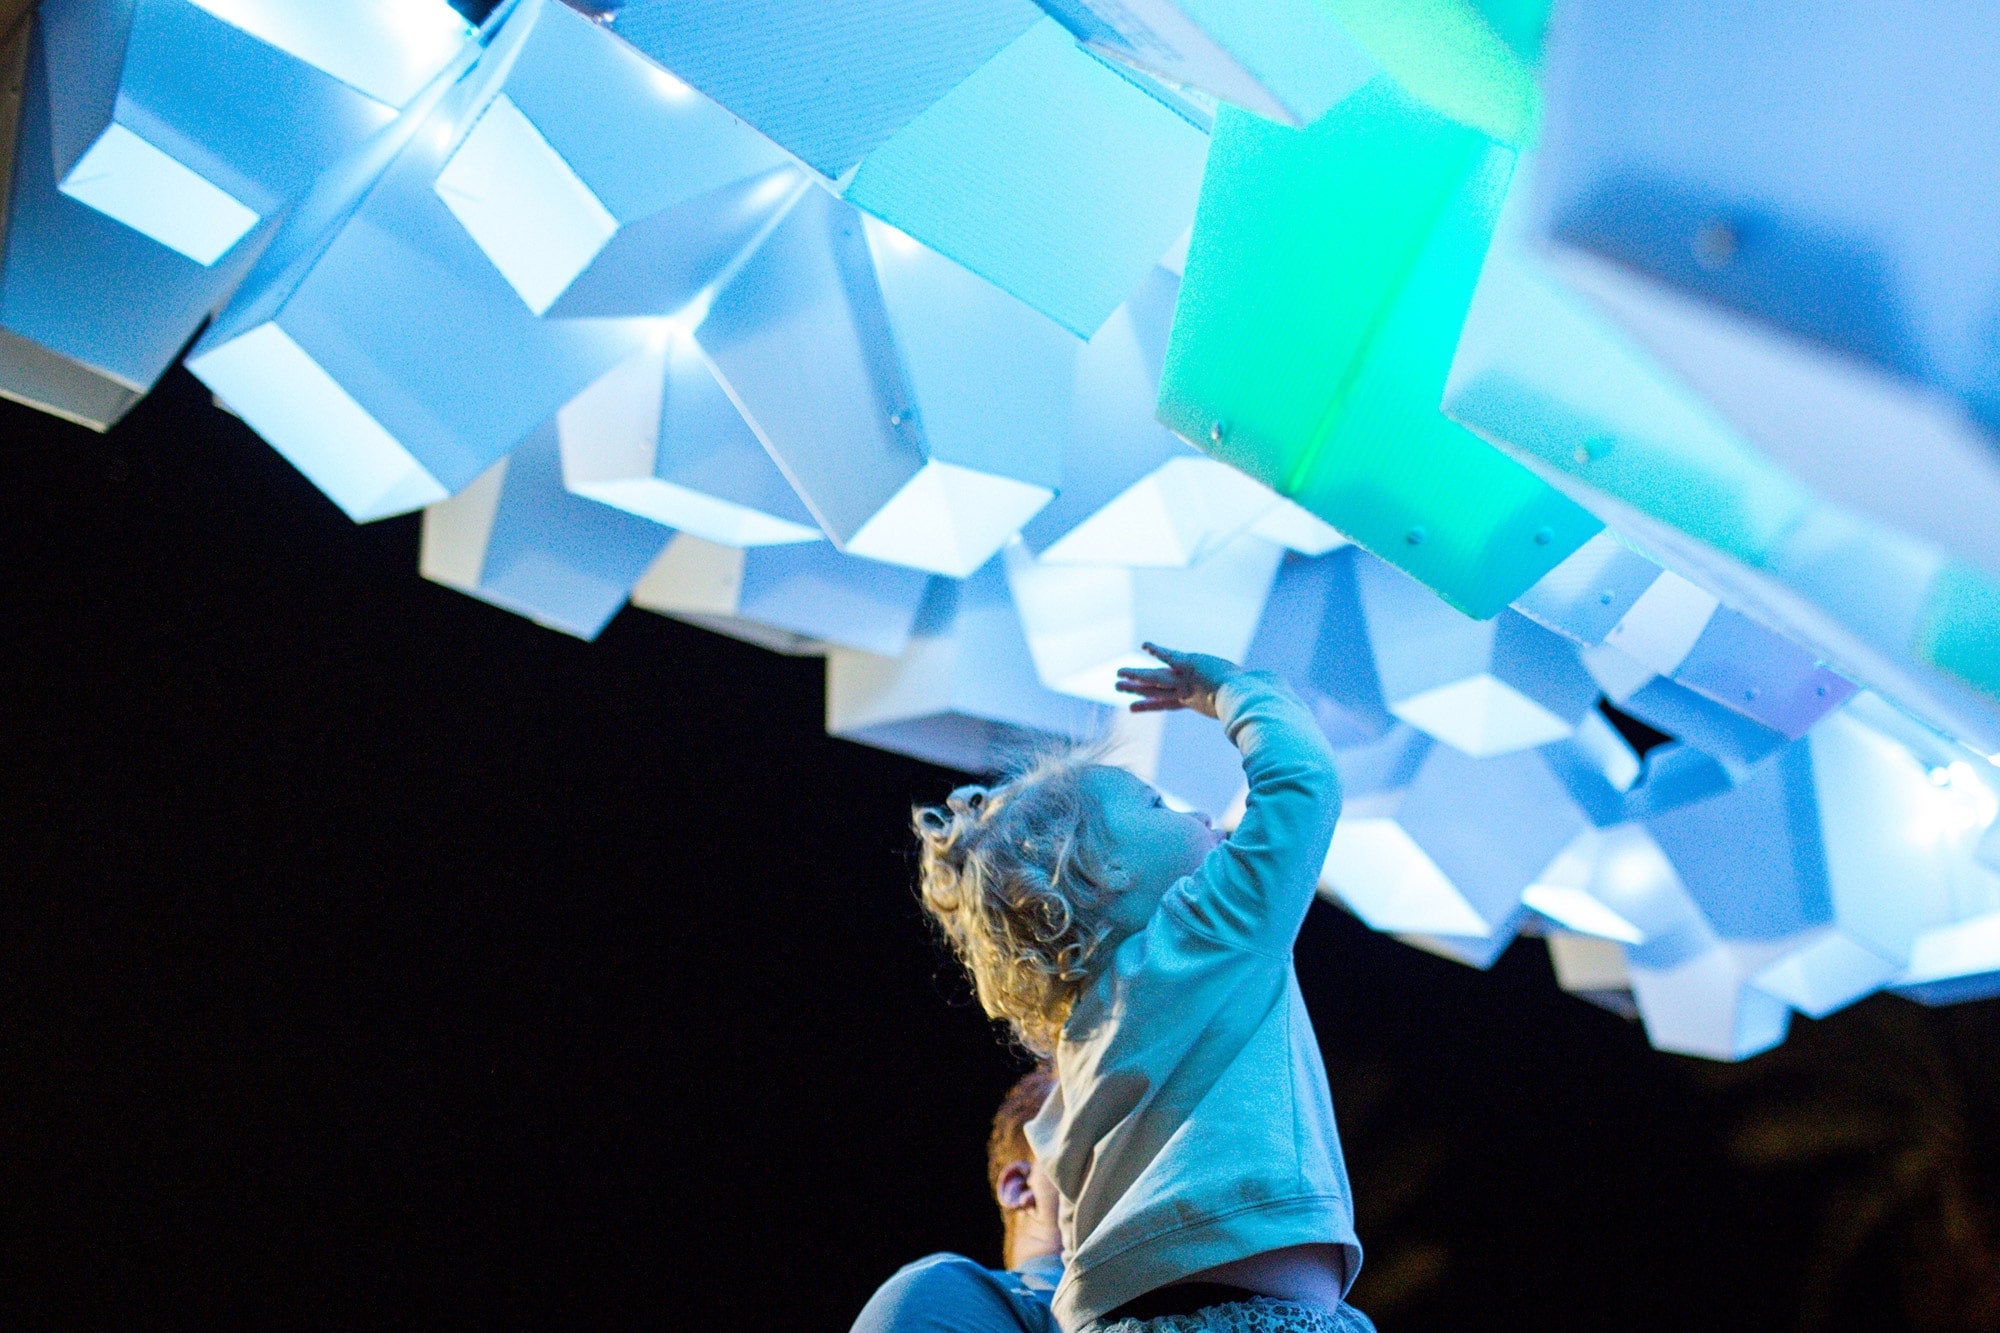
[1190, 1133]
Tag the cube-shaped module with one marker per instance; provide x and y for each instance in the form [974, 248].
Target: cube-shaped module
[30, 372]
[657, 436]
[518, 539]
[797, 598]
[1327, 278]
[964, 693]
[1314, 635]
[1084, 622]
[918, 410]
[828, 79]
[185, 121]
[1450, 853]
[375, 345]
[1133, 492]
[1486, 687]
[625, 200]
[1053, 174]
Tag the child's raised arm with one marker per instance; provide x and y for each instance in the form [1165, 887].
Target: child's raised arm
[1255, 888]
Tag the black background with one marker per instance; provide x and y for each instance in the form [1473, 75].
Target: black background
[369, 955]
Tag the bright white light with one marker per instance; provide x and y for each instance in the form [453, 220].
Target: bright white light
[1963, 804]
[125, 177]
[671, 88]
[1581, 913]
[388, 49]
[514, 194]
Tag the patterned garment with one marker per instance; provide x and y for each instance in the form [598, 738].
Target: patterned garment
[1263, 1315]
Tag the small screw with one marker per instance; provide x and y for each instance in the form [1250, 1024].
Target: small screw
[1820, 690]
[1604, 598]
[1543, 536]
[895, 418]
[1215, 433]
[1715, 244]
[1415, 536]
[1750, 693]
[1592, 449]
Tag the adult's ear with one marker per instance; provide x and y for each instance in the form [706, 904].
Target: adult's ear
[1015, 1190]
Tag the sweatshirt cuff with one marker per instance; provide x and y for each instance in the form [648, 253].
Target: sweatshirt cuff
[1242, 690]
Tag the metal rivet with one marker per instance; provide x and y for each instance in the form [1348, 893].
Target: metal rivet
[895, 418]
[1715, 243]
[1592, 449]
[1415, 536]
[1750, 693]
[1604, 598]
[1543, 536]
[1820, 690]
[1215, 433]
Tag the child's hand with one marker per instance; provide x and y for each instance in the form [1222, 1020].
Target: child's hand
[1188, 680]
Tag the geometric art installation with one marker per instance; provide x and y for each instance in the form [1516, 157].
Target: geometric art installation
[1328, 275]
[1616, 494]
[517, 538]
[625, 202]
[376, 345]
[1135, 493]
[658, 436]
[795, 597]
[995, 176]
[964, 693]
[916, 407]
[1085, 622]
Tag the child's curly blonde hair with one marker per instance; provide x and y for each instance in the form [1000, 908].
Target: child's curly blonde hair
[1012, 876]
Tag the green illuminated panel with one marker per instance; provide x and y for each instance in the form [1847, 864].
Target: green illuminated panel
[1328, 278]
[1961, 631]
[1450, 56]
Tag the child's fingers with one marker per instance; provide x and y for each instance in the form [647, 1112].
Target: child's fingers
[1168, 655]
[1150, 677]
[1156, 704]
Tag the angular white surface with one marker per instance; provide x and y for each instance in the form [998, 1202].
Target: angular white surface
[1392, 884]
[1293, 527]
[611, 441]
[456, 531]
[387, 49]
[1482, 716]
[1585, 963]
[532, 215]
[1178, 515]
[1663, 625]
[273, 384]
[948, 519]
[1701, 1006]
[1084, 622]
[128, 178]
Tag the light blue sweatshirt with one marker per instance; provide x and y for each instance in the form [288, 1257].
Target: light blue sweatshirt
[1192, 1125]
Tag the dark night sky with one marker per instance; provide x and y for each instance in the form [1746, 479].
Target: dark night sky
[369, 955]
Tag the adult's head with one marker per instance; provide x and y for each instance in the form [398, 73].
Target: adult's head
[1026, 1195]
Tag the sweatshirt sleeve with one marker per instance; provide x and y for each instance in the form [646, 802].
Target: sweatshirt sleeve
[1253, 890]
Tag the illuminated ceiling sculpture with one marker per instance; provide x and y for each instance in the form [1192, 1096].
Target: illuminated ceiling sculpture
[1597, 422]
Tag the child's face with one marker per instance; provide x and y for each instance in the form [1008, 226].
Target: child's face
[1147, 845]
